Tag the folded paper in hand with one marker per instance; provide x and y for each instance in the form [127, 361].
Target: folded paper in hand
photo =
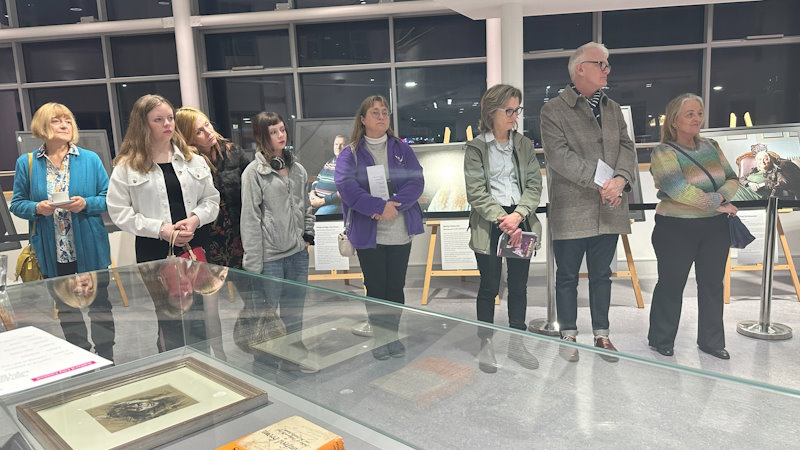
[524, 250]
[602, 173]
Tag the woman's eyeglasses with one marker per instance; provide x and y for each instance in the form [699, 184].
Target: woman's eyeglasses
[511, 111]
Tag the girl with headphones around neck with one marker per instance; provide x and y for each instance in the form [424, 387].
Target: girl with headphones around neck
[277, 223]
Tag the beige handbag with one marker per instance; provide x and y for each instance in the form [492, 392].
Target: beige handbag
[346, 248]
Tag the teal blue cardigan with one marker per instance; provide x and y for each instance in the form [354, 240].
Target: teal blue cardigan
[88, 179]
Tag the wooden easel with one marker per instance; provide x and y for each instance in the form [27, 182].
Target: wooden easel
[336, 275]
[430, 273]
[758, 267]
[630, 273]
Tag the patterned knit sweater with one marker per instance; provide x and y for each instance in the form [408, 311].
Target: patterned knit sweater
[684, 190]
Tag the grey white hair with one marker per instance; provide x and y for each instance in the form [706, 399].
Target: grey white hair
[577, 57]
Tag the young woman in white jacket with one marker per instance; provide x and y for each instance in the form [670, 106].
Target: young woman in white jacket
[158, 184]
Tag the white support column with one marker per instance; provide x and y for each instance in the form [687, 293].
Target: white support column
[511, 39]
[184, 44]
[494, 57]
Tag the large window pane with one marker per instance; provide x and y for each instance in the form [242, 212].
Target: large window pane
[758, 80]
[233, 101]
[739, 20]
[647, 82]
[544, 80]
[563, 31]
[89, 104]
[236, 6]
[7, 73]
[438, 38]
[339, 94]
[320, 3]
[343, 43]
[432, 98]
[54, 12]
[3, 14]
[128, 93]
[63, 60]
[10, 121]
[127, 9]
[258, 48]
[656, 26]
[152, 54]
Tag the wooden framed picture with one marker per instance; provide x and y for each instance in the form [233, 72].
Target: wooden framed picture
[142, 410]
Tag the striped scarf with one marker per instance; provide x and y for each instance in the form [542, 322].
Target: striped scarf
[594, 103]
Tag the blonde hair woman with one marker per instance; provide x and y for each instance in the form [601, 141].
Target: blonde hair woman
[67, 237]
[227, 162]
[157, 186]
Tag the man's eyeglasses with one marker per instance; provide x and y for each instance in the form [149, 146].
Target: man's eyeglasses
[511, 111]
[602, 64]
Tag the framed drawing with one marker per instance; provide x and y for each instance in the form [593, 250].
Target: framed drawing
[140, 410]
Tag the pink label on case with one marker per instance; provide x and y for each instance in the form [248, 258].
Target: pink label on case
[59, 372]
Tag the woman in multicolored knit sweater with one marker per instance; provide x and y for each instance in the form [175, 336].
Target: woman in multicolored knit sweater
[691, 227]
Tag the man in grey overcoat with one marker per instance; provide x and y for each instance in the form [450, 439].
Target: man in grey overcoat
[579, 128]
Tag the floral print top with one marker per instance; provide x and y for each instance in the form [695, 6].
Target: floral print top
[58, 181]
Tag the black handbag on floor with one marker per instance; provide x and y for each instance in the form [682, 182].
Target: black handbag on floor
[740, 235]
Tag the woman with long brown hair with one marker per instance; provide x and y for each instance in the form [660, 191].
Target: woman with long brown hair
[157, 186]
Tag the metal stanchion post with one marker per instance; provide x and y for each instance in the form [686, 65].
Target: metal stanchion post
[762, 328]
[548, 326]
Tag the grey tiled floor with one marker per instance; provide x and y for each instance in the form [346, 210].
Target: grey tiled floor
[772, 362]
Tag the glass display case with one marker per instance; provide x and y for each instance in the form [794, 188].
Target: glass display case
[294, 343]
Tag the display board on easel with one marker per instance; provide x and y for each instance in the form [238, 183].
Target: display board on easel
[94, 140]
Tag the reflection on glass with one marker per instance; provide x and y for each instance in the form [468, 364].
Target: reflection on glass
[654, 26]
[739, 20]
[254, 48]
[439, 37]
[338, 94]
[74, 293]
[89, 104]
[126, 9]
[55, 12]
[7, 73]
[10, 122]
[343, 43]
[766, 89]
[233, 101]
[432, 98]
[152, 54]
[321, 3]
[236, 6]
[128, 93]
[63, 60]
[647, 82]
[561, 31]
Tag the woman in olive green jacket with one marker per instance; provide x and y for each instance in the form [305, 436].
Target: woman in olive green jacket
[504, 184]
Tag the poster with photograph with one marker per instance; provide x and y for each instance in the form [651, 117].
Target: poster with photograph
[443, 168]
[318, 142]
[766, 160]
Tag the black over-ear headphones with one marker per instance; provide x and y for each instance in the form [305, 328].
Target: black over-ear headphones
[278, 163]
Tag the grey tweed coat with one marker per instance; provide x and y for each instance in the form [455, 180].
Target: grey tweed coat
[573, 142]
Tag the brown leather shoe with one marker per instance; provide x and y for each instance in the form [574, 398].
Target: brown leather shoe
[569, 353]
[605, 343]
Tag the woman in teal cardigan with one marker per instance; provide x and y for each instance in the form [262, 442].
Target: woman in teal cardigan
[71, 237]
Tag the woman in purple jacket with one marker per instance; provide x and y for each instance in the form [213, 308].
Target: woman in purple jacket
[382, 223]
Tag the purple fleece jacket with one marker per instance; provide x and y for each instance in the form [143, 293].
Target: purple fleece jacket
[351, 182]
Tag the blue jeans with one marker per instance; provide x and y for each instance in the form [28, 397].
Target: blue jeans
[289, 297]
[599, 251]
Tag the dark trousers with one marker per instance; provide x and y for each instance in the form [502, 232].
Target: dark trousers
[384, 269]
[599, 251]
[490, 268]
[679, 243]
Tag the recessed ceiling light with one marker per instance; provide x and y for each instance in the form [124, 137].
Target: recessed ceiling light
[163, 3]
[717, 88]
[76, 9]
[411, 84]
[435, 105]
[372, 79]
[449, 101]
[648, 85]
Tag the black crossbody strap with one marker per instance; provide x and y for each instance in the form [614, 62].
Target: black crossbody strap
[713, 183]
